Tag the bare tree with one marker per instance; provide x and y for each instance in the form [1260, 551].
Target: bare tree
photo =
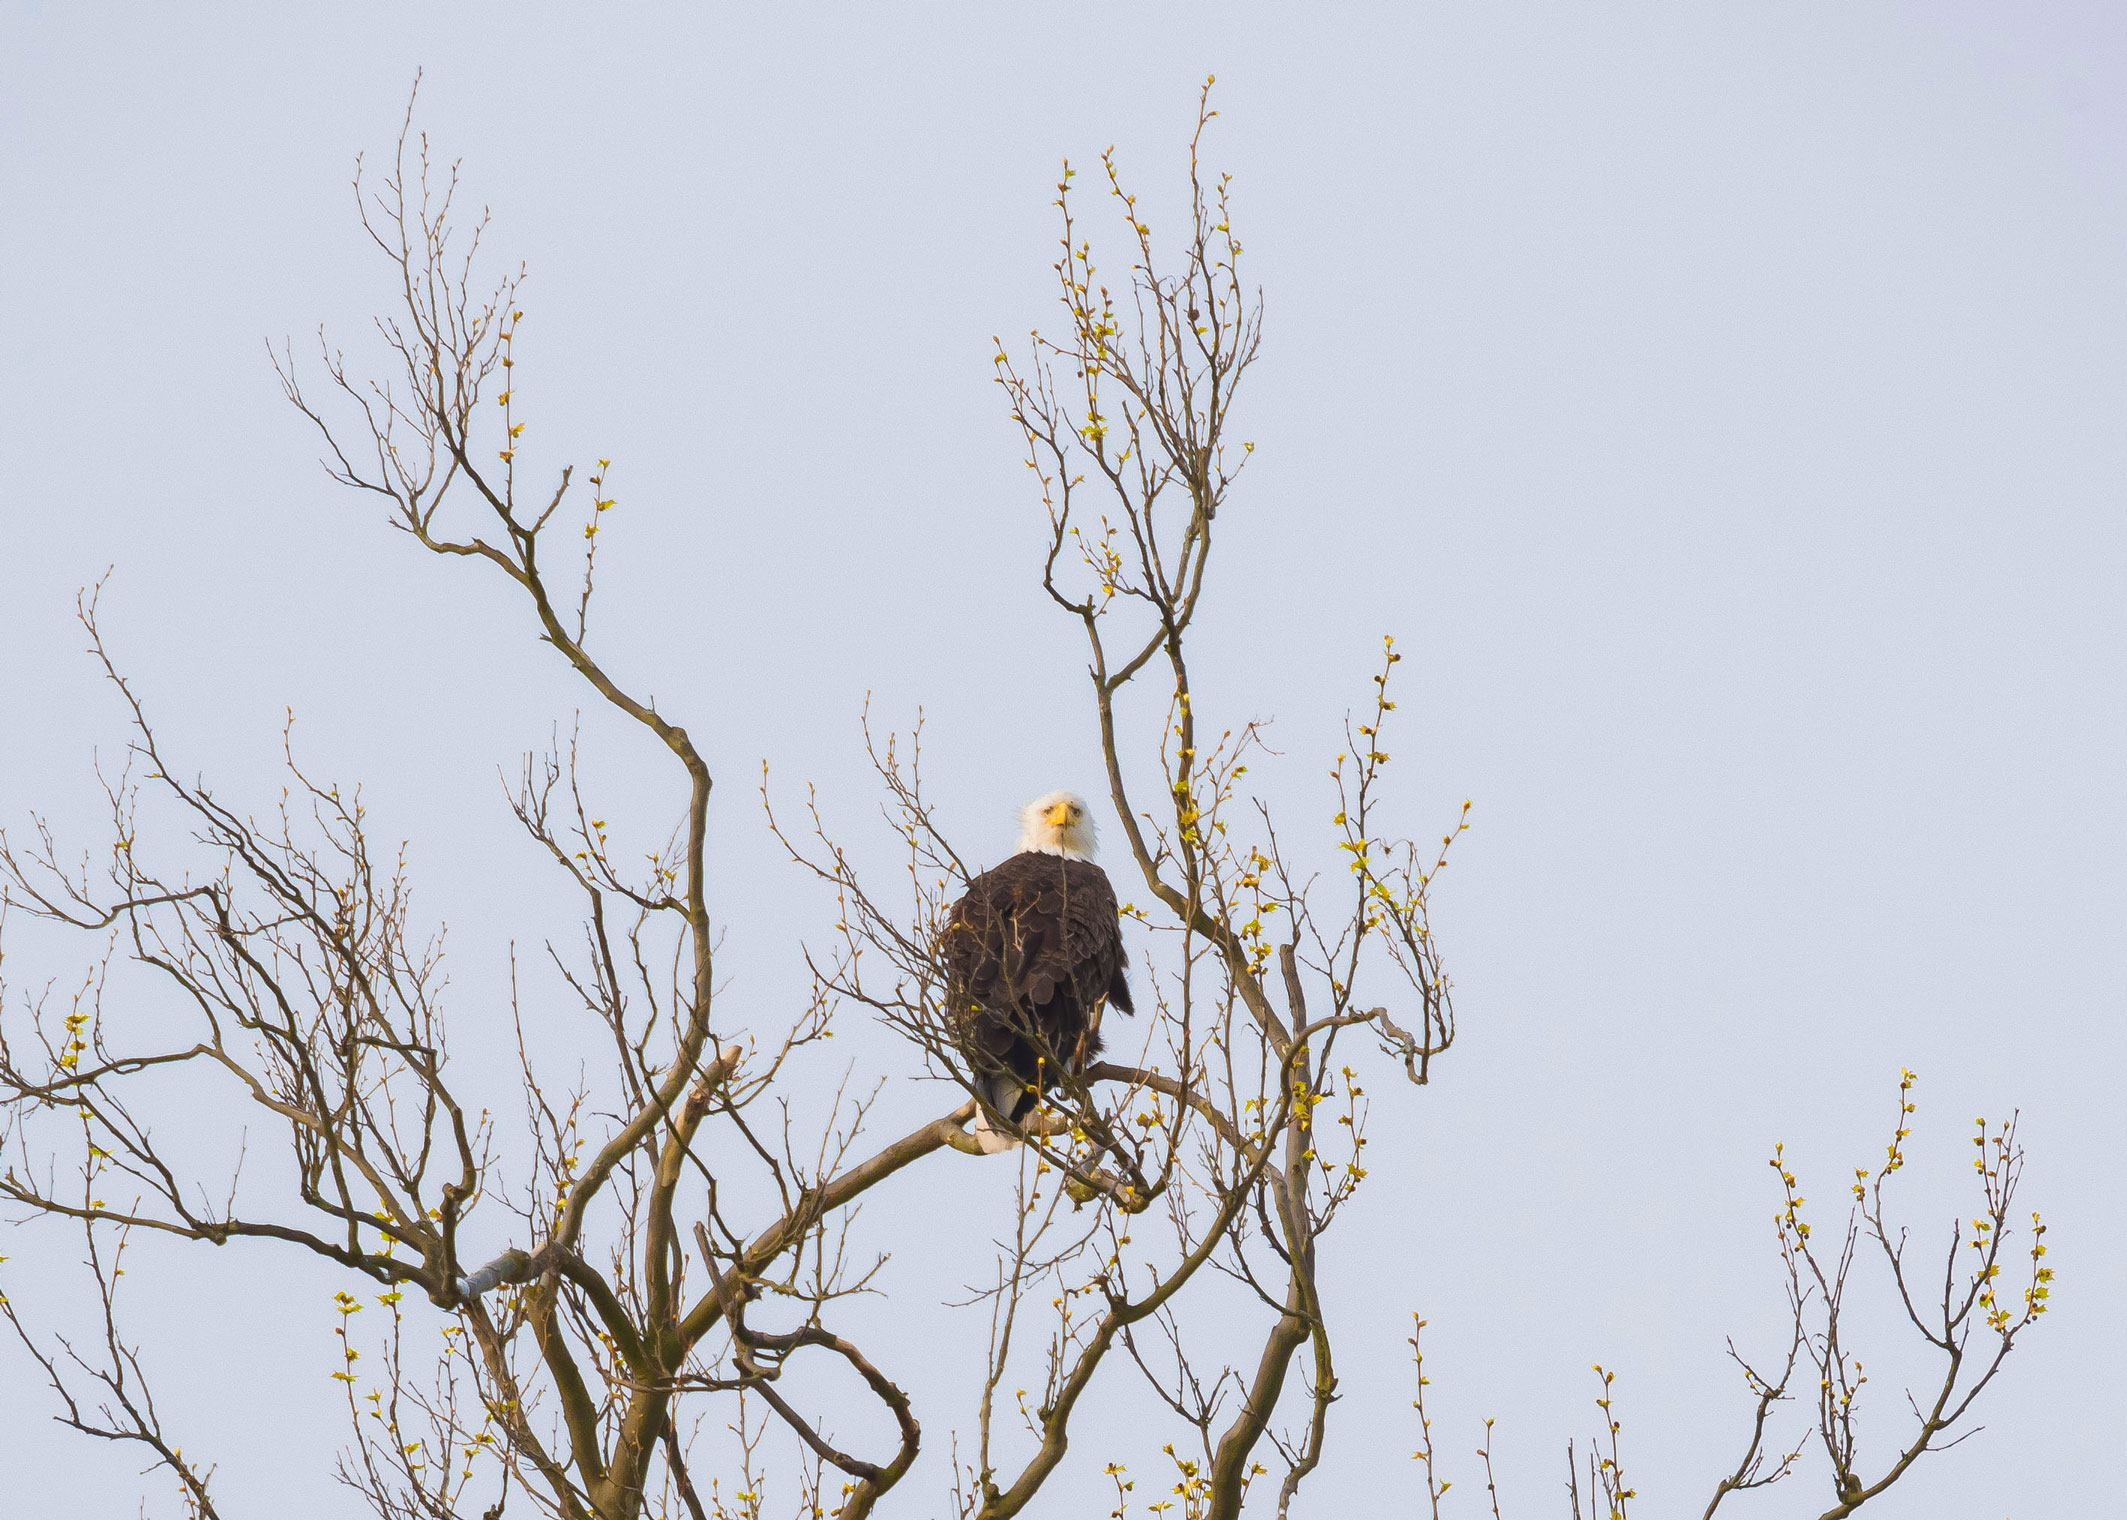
[1972, 1323]
[1211, 1151]
[292, 950]
[682, 1227]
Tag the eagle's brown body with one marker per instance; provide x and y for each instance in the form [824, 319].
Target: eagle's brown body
[1033, 953]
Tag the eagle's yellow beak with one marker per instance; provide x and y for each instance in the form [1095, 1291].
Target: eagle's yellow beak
[1057, 816]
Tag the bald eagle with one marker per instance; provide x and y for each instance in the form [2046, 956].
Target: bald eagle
[1033, 955]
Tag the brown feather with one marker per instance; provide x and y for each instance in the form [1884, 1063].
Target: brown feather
[1033, 951]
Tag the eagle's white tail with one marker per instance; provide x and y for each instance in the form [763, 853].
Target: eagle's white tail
[1002, 1091]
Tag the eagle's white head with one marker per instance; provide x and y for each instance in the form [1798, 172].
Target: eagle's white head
[1058, 824]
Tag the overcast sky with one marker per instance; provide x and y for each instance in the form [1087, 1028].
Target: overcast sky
[1723, 405]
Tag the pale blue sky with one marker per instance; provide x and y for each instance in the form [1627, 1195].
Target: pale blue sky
[1723, 405]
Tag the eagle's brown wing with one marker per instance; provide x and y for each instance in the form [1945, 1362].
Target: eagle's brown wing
[1032, 951]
